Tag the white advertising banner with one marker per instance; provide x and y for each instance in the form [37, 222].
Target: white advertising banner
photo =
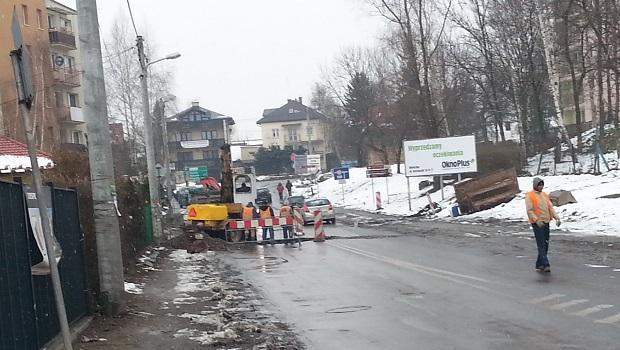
[450, 155]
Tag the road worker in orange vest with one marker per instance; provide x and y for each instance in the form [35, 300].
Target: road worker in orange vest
[266, 212]
[540, 212]
[286, 212]
[249, 213]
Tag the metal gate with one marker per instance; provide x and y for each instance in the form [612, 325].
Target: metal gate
[28, 318]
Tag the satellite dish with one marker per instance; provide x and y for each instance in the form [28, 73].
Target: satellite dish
[59, 61]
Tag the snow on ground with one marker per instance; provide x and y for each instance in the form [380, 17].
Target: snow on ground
[585, 162]
[134, 288]
[591, 215]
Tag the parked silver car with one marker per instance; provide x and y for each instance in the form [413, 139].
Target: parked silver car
[322, 204]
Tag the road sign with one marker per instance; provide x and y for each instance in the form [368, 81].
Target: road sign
[198, 173]
[341, 173]
[378, 171]
[23, 60]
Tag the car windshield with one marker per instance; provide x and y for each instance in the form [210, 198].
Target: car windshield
[317, 202]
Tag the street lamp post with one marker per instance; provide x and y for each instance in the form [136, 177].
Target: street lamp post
[148, 136]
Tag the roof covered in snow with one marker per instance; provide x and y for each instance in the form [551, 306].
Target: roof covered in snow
[14, 157]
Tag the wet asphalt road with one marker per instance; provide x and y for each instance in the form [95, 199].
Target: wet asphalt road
[375, 288]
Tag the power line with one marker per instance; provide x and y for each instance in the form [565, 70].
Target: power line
[131, 16]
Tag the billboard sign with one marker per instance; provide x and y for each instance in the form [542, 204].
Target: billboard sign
[450, 155]
[307, 164]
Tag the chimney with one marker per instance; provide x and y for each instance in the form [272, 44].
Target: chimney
[195, 104]
[300, 100]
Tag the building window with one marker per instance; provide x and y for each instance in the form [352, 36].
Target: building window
[186, 136]
[25, 15]
[507, 126]
[67, 25]
[292, 135]
[50, 22]
[309, 130]
[209, 135]
[74, 100]
[204, 116]
[185, 156]
[210, 155]
[39, 19]
[275, 133]
[77, 137]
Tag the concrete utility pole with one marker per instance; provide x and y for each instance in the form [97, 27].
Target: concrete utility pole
[164, 131]
[25, 94]
[110, 259]
[148, 138]
[150, 149]
[308, 130]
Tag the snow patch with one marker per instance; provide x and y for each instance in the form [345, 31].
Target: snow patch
[590, 216]
[134, 288]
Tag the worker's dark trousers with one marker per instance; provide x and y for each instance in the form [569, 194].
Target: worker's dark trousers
[265, 229]
[287, 231]
[542, 241]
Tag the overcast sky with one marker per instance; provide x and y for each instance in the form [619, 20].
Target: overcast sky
[240, 57]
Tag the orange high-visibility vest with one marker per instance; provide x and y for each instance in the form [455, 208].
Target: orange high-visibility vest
[534, 200]
[248, 213]
[265, 214]
[285, 211]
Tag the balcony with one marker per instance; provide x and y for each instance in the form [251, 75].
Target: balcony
[70, 114]
[67, 77]
[178, 145]
[62, 38]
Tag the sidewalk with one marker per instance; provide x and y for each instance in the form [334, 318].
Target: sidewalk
[184, 301]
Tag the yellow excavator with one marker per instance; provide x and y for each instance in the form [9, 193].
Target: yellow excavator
[238, 186]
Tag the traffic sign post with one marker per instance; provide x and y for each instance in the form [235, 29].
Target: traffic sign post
[341, 173]
[379, 170]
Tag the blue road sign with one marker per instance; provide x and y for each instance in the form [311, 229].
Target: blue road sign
[341, 173]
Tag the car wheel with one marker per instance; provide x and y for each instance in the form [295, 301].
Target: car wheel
[333, 221]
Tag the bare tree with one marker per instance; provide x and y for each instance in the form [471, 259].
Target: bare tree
[122, 70]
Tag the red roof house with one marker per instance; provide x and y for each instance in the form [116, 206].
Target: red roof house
[14, 157]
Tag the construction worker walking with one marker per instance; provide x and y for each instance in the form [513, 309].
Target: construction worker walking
[540, 212]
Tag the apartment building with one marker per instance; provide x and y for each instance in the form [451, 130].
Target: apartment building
[195, 136]
[296, 125]
[65, 61]
[32, 16]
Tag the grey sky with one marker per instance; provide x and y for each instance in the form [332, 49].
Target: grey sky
[239, 57]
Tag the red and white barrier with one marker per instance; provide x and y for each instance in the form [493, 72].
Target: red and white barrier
[253, 224]
[299, 222]
[378, 201]
[319, 233]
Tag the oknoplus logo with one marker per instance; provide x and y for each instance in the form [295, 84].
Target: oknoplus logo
[457, 164]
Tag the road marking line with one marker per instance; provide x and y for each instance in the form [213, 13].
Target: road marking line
[568, 304]
[591, 310]
[547, 298]
[609, 320]
[401, 262]
[413, 267]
